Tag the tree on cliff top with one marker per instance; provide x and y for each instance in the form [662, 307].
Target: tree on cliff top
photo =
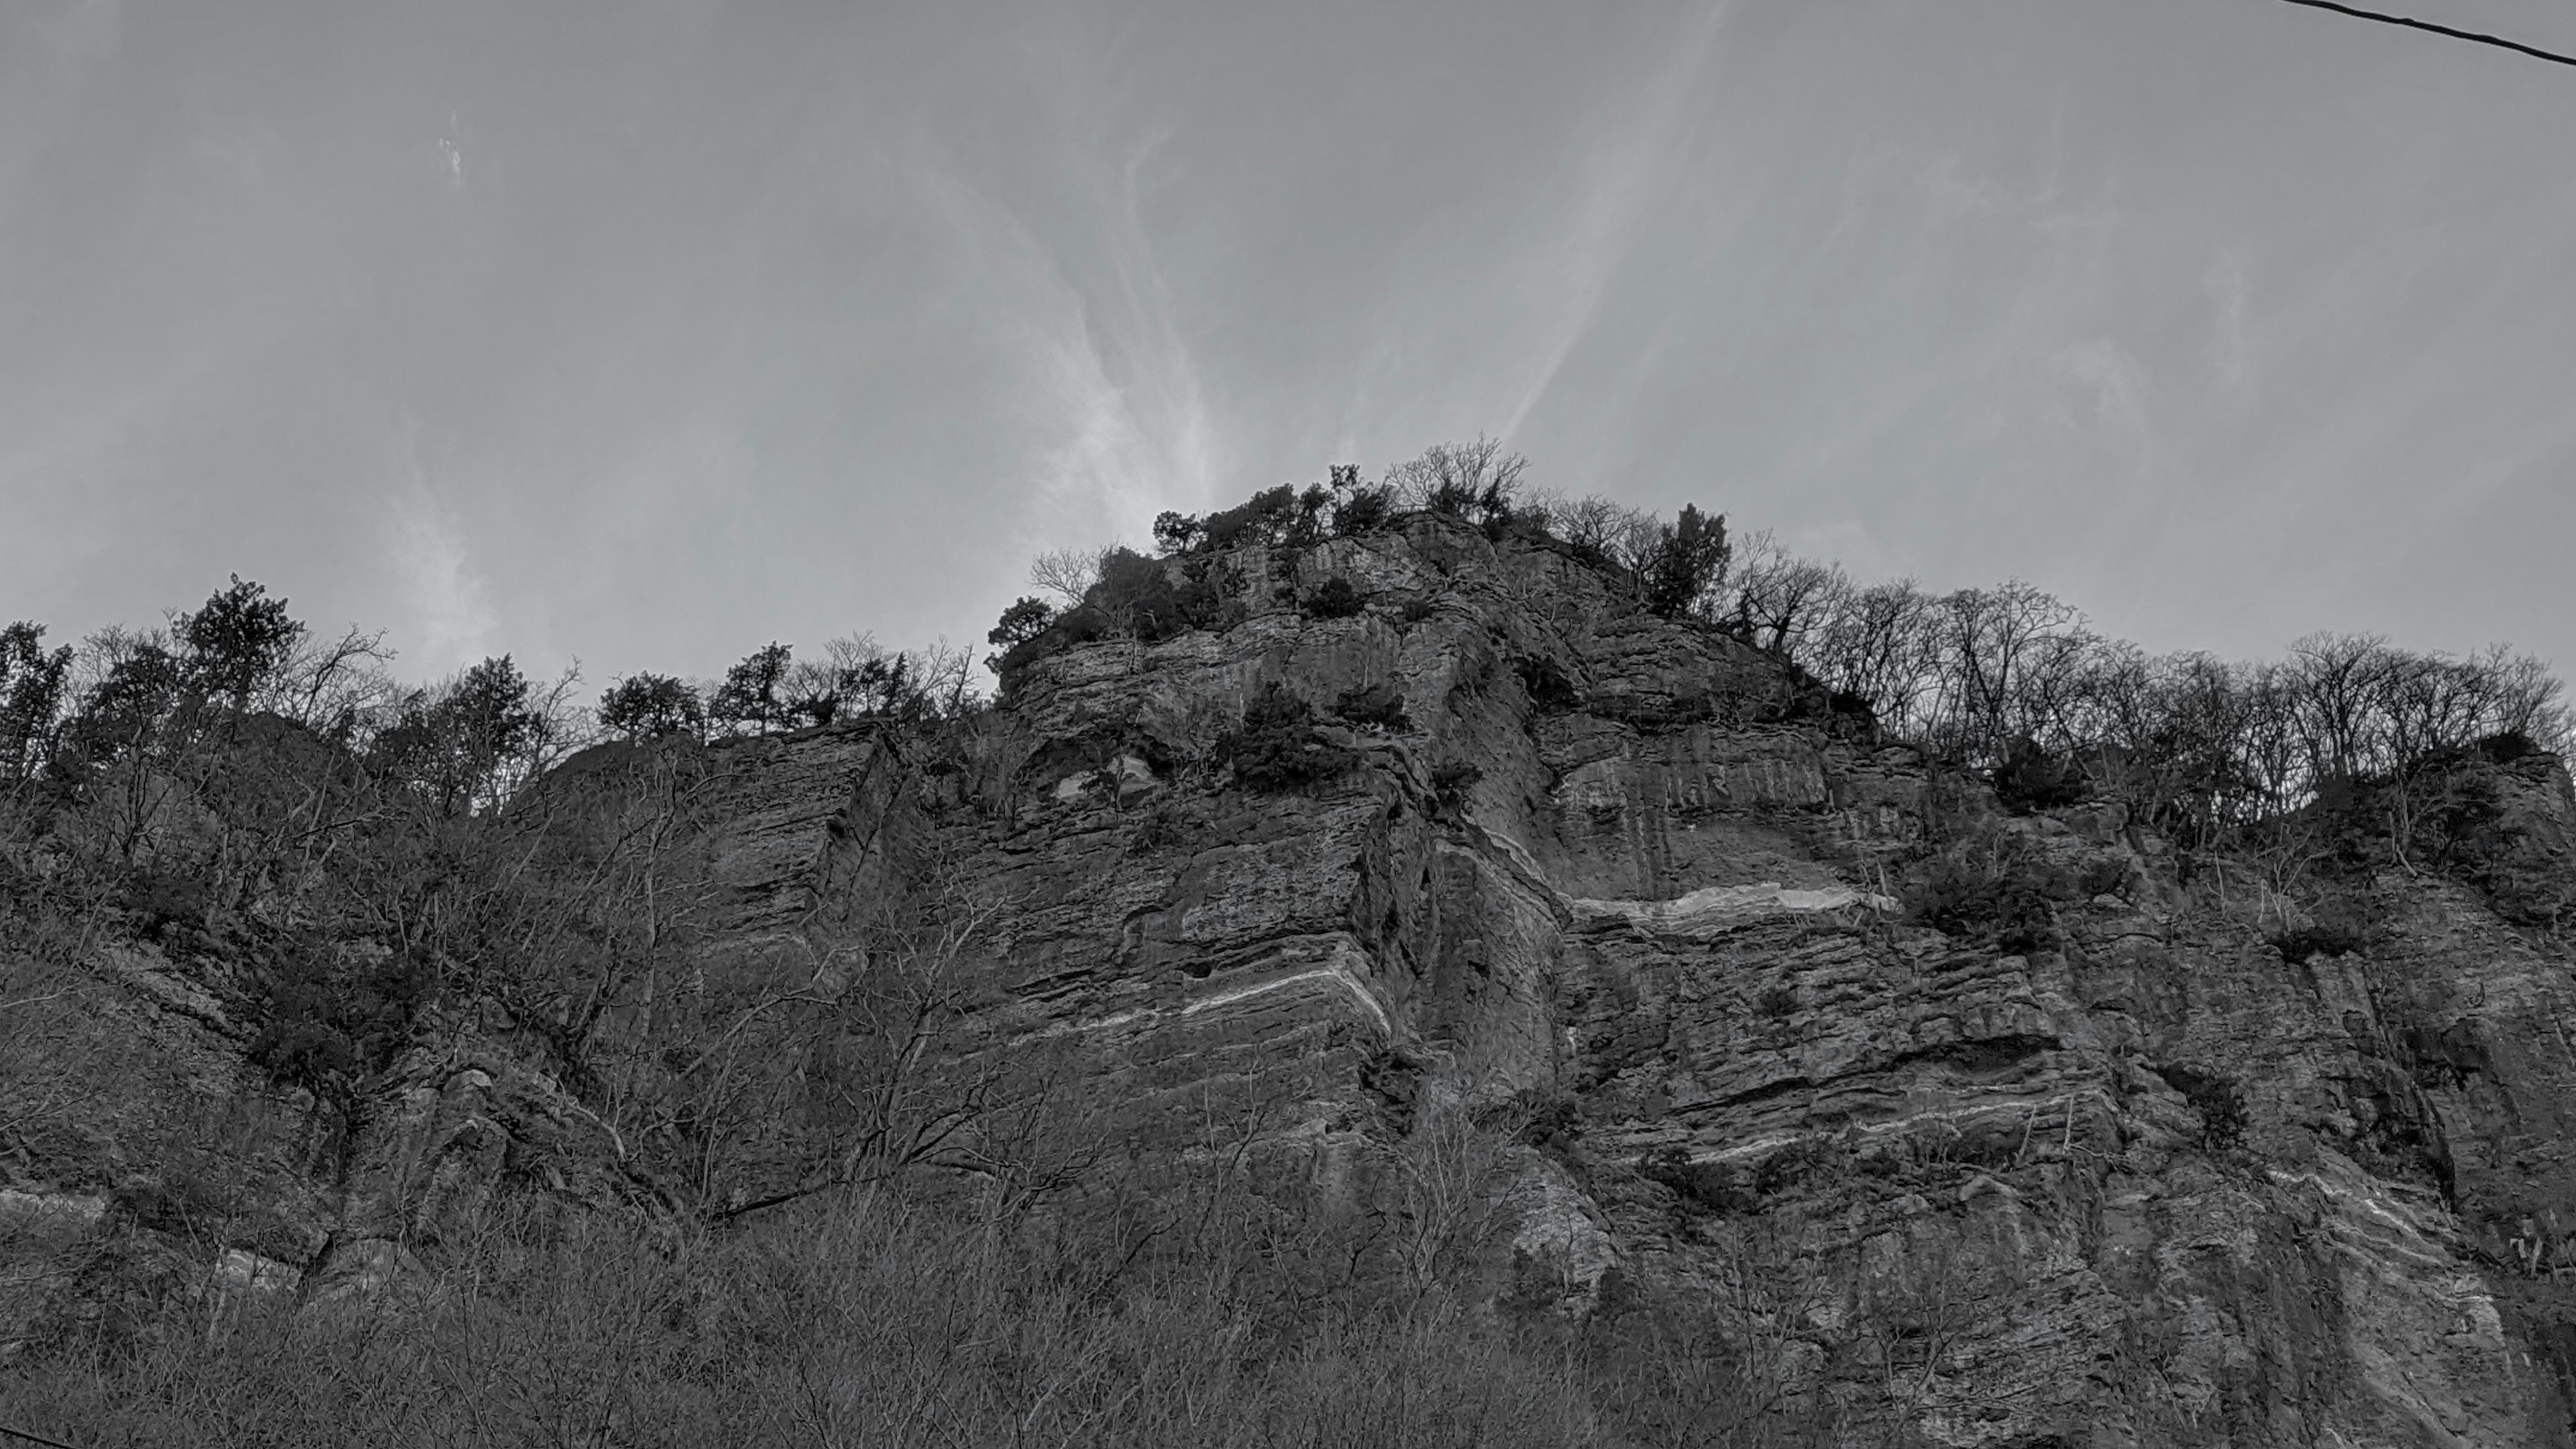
[31, 698]
[649, 706]
[1689, 555]
[749, 697]
[239, 640]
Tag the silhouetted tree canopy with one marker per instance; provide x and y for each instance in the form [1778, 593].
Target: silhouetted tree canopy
[236, 642]
[749, 697]
[650, 706]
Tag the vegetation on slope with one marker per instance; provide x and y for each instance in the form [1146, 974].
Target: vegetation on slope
[2007, 681]
[340, 860]
[1193, 1316]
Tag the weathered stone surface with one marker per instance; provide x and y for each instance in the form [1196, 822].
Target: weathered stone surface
[2145, 1183]
[2151, 1185]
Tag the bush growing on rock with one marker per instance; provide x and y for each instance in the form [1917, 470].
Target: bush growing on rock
[1136, 597]
[1364, 510]
[1336, 600]
[1278, 747]
[2030, 779]
[1995, 891]
[2323, 938]
[1176, 532]
[1263, 518]
[1024, 620]
[328, 1021]
[649, 706]
[1452, 779]
[1546, 682]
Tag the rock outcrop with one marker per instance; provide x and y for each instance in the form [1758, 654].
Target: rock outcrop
[1627, 893]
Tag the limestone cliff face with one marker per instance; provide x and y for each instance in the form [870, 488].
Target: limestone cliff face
[2145, 1182]
[1631, 888]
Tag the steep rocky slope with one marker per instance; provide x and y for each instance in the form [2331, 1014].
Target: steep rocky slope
[1624, 897]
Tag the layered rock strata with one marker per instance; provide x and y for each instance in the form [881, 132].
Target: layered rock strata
[1631, 890]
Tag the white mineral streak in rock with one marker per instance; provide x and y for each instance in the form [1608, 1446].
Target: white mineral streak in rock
[243, 1270]
[1340, 972]
[2039, 1114]
[1334, 973]
[1712, 909]
[2419, 1308]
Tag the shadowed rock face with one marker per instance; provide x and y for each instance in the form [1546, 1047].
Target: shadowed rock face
[2141, 1182]
[2149, 1185]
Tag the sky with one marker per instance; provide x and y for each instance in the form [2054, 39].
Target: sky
[640, 333]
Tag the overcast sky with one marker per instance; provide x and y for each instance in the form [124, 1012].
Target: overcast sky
[645, 333]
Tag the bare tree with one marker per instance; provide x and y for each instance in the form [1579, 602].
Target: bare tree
[1478, 479]
[1779, 597]
[1066, 573]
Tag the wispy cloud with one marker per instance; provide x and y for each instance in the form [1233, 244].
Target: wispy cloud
[1117, 426]
[1634, 167]
[452, 618]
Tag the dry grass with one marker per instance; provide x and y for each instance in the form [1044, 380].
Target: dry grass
[864, 1321]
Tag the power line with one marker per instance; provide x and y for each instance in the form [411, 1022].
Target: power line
[33, 1438]
[2495, 40]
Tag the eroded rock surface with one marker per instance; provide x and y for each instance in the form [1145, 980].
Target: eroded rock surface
[2131, 1180]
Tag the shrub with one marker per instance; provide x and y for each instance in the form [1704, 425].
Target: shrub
[650, 707]
[168, 907]
[1380, 705]
[2325, 938]
[328, 1022]
[2031, 779]
[1278, 747]
[1546, 681]
[1165, 827]
[1999, 896]
[1136, 594]
[1024, 620]
[1175, 532]
[2507, 746]
[1336, 600]
[1452, 779]
[1263, 518]
[1365, 510]
[1072, 628]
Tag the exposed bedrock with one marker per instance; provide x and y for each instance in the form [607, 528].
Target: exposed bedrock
[2140, 1182]
[2149, 1184]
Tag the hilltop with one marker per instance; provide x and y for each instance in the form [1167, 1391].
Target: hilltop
[1401, 964]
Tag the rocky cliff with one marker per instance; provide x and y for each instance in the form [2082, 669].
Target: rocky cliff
[2086, 1160]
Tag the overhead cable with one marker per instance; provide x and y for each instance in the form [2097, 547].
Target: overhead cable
[2495, 40]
